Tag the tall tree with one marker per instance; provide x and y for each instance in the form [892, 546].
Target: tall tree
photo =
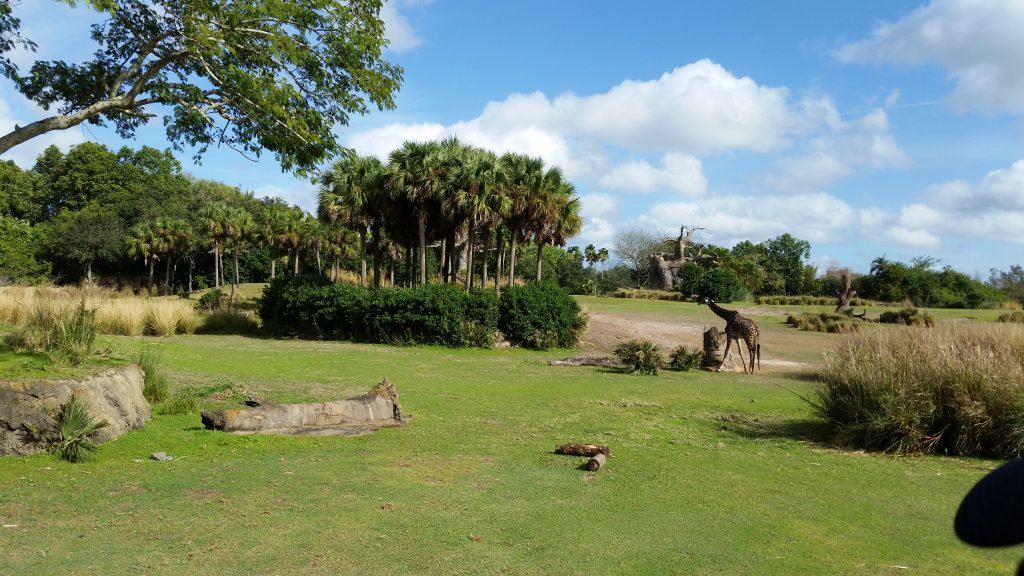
[144, 242]
[249, 74]
[523, 176]
[415, 175]
[351, 193]
[92, 234]
[238, 228]
[214, 220]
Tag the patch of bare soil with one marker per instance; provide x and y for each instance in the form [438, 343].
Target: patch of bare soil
[607, 330]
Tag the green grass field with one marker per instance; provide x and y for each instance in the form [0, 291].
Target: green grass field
[710, 474]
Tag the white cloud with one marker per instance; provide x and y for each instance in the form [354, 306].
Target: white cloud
[598, 212]
[733, 218]
[380, 142]
[978, 42]
[302, 194]
[837, 150]
[682, 173]
[397, 29]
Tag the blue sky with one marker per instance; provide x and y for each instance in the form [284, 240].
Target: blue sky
[868, 128]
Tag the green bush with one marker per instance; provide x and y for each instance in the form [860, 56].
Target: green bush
[540, 316]
[75, 428]
[228, 321]
[211, 300]
[684, 358]
[812, 301]
[1017, 317]
[311, 307]
[957, 389]
[908, 317]
[721, 285]
[155, 387]
[640, 357]
[824, 322]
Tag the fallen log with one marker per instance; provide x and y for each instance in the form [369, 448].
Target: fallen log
[582, 449]
[587, 361]
[358, 415]
[595, 463]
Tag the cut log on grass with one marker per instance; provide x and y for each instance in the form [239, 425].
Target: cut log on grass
[376, 409]
[595, 463]
[586, 361]
[582, 449]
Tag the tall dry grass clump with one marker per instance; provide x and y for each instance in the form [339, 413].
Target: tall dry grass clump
[956, 389]
[167, 317]
[116, 313]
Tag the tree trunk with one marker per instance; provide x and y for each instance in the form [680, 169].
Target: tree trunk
[512, 259]
[236, 277]
[423, 247]
[216, 264]
[501, 261]
[362, 255]
[191, 267]
[167, 277]
[540, 259]
[485, 241]
[149, 287]
[408, 266]
[273, 267]
[319, 265]
[296, 261]
[470, 241]
[88, 272]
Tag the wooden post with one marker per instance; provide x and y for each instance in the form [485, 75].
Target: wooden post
[597, 462]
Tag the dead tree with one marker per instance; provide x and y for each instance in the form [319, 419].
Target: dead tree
[846, 293]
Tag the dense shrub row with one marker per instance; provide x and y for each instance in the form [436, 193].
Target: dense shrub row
[534, 316]
[824, 322]
[908, 317]
[956, 389]
[812, 301]
[643, 294]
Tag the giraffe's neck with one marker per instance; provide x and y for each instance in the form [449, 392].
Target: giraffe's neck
[722, 312]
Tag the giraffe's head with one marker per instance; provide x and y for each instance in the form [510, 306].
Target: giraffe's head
[706, 300]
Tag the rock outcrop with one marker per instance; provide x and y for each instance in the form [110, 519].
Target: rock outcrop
[27, 407]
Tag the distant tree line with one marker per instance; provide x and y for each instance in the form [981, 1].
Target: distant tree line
[134, 217]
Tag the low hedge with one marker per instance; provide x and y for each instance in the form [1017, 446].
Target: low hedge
[532, 316]
[540, 316]
[312, 307]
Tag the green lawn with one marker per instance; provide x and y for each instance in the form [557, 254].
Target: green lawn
[710, 474]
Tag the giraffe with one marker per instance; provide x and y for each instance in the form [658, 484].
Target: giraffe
[737, 328]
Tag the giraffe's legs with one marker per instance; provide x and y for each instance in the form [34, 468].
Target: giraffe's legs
[725, 356]
[739, 350]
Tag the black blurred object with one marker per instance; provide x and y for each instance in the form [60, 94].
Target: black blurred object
[992, 513]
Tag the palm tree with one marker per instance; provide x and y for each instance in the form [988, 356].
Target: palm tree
[175, 236]
[269, 222]
[555, 214]
[143, 242]
[590, 254]
[415, 176]
[290, 234]
[485, 204]
[351, 192]
[213, 217]
[238, 229]
[521, 183]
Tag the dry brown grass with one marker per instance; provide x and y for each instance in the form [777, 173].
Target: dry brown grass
[956, 389]
[116, 312]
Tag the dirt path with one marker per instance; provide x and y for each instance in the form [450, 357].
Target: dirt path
[606, 331]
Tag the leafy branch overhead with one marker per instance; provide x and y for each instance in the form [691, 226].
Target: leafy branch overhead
[253, 75]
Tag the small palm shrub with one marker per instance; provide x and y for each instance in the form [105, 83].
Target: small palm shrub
[1017, 317]
[156, 388]
[640, 357]
[907, 317]
[956, 389]
[540, 316]
[683, 358]
[75, 428]
[824, 322]
[228, 321]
